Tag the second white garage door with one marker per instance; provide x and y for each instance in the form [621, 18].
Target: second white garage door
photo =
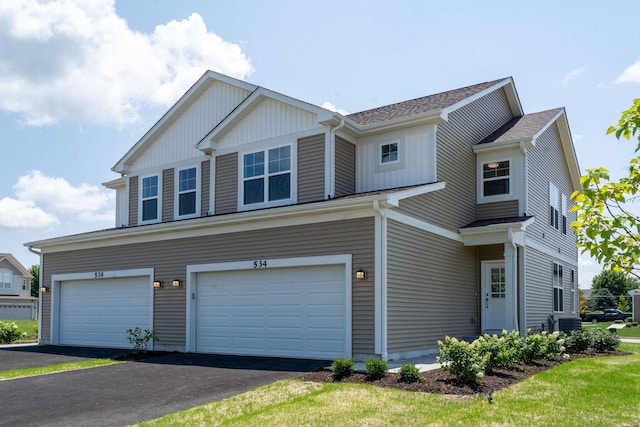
[286, 312]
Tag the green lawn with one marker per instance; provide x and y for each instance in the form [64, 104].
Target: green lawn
[599, 391]
[53, 369]
[28, 326]
[633, 332]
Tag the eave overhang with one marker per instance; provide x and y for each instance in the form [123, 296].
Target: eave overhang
[498, 233]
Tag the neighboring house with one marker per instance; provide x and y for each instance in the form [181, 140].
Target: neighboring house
[16, 302]
[635, 304]
[252, 223]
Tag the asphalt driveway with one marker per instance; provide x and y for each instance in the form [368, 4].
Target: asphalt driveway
[129, 392]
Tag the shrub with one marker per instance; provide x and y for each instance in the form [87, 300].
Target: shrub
[542, 345]
[9, 332]
[375, 368]
[141, 340]
[632, 324]
[618, 321]
[342, 367]
[409, 373]
[602, 340]
[577, 341]
[461, 359]
[502, 352]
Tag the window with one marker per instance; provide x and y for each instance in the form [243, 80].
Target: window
[150, 198]
[495, 178]
[558, 290]
[554, 199]
[5, 279]
[389, 153]
[564, 214]
[267, 184]
[498, 287]
[573, 291]
[187, 190]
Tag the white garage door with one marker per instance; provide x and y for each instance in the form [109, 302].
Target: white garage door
[287, 312]
[97, 313]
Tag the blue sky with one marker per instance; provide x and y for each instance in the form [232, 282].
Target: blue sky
[81, 81]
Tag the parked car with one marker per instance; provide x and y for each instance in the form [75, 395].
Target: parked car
[609, 315]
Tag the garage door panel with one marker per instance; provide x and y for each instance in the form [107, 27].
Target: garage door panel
[292, 312]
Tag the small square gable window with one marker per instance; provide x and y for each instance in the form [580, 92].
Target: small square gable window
[495, 178]
[389, 153]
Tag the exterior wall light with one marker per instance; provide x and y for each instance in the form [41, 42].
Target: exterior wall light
[176, 283]
[493, 165]
[44, 289]
[157, 284]
[361, 274]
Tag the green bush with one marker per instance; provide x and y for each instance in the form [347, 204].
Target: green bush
[409, 373]
[461, 359]
[577, 341]
[502, 352]
[602, 340]
[9, 332]
[618, 321]
[375, 369]
[141, 340]
[632, 324]
[538, 346]
[342, 367]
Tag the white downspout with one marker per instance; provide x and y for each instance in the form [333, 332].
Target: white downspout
[514, 278]
[33, 251]
[332, 158]
[381, 280]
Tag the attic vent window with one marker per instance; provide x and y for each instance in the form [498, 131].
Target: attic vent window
[495, 178]
[389, 153]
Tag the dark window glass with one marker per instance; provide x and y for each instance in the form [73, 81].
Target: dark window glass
[187, 203]
[279, 187]
[254, 191]
[149, 209]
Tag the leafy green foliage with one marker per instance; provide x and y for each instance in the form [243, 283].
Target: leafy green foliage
[409, 373]
[35, 282]
[602, 340]
[502, 352]
[601, 299]
[375, 368]
[577, 341]
[9, 332]
[606, 229]
[461, 359]
[539, 346]
[342, 367]
[141, 340]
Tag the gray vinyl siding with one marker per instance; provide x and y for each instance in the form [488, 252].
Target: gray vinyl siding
[455, 206]
[345, 167]
[133, 201]
[169, 259]
[226, 182]
[432, 289]
[497, 210]
[167, 195]
[546, 163]
[206, 186]
[311, 162]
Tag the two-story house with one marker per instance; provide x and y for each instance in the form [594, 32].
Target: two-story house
[16, 302]
[252, 223]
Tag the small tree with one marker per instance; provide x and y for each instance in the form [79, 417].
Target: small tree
[582, 302]
[623, 304]
[602, 299]
[35, 282]
[617, 282]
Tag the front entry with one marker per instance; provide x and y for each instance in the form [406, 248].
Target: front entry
[494, 296]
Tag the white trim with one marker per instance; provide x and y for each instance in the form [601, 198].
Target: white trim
[391, 162]
[422, 225]
[470, 99]
[57, 279]
[194, 269]
[329, 167]
[481, 180]
[483, 286]
[176, 191]
[141, 178]
[212, 186]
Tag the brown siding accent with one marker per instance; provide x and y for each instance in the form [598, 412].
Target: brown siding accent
[497, 210]
[455, 206]
[167, 194]
[170, 257]
[345, 167]
[206, 185]
[636, 307]
[226, 193]
[490, 253]
[311, 169]
[432, 289]
[133, 201]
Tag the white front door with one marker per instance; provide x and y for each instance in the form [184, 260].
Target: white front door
[494, 296]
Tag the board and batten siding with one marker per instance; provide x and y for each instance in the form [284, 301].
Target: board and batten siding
[169, 259]
[133, 201]
[167, 195]
[345, 167]
[432, 288]
[455, 205]
[177, 141]
[311, 162]
[496, 210]
[205, 184]
[546, 163]
[226, 182]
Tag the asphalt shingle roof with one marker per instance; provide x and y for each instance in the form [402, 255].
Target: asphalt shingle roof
[522, 127]
[419, 105]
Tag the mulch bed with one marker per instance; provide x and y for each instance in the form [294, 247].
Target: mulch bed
[440, 381]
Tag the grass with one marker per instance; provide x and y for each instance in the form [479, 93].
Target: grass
[600, 391]
[28, 326]
[53, 369]
[625, 333]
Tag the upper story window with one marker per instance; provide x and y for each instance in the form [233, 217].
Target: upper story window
[564, 214]
[267, 175]
[558, 288]
[5, 279]
[496, 178]
[187, 192]
[150, 198]
[554, 206]
[389, 153]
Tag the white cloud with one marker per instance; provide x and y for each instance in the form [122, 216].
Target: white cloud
[329, 106]
[42, 201]
[76, 60]
[573, 74]
[631, 74]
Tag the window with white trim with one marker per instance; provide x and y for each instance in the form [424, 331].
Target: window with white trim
[389, 153]
[554, 202]
[496, 178]
[573, 291]
[150, 198]
[5, 279]
[558, 290]
[187, 192]
[564, 214]
[267, 175]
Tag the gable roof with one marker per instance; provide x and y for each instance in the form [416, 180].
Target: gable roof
[523, 127]
[13, 261]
